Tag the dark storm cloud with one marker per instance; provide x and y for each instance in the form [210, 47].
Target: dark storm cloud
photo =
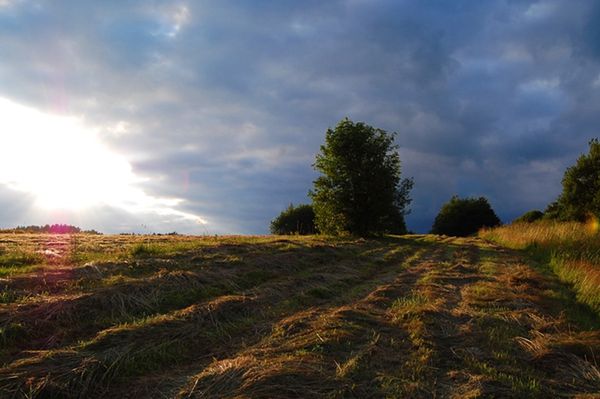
[224, 104]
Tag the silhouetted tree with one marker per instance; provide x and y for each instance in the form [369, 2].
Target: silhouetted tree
[50, 229]
[529, 217]
[360, 190]
[295, 220]
[580, 197]
[463, 217]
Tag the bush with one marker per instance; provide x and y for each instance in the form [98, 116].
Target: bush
[360, 190]
[463, 217]
[295, 220]
[529, 217]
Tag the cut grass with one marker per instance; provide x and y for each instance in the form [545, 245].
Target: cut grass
[17, 261]
[19, 258]
[416, 316]
[135, 304]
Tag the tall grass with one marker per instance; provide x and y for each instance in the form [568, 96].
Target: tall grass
[572, 250]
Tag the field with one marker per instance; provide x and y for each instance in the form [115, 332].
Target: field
[571, 250]
[288, 317]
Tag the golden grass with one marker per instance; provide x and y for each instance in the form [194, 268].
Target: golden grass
[570, 249]
[547, 233]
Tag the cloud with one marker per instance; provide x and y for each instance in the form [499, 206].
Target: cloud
[63, 167]
[224, 105]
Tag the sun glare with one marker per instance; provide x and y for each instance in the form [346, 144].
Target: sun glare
[593, 224]
[58, 160]
[65, 166]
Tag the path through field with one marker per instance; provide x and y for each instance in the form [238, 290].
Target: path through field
[418, 316]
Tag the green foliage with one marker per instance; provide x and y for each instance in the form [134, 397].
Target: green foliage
[295, 220]
[463, 217]
[552, 211]
[580, 197]
[360, 190]
[529, 217]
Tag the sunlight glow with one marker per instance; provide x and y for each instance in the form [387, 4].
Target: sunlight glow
[65, 166]
[592, 224]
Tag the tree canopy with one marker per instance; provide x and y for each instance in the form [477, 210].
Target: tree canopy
[464, 216]
[360, 190]
[49, 229]
[529, 217]
[580, 197]
[295, 220]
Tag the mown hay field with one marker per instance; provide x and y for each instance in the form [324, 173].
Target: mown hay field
[287, 317]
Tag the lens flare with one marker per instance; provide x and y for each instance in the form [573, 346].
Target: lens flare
[592, 225]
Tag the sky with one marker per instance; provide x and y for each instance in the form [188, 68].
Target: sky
[204, 117]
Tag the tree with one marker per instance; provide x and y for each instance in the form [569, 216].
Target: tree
[463, 217]
[360, 190]
[295, 220]
[580, 197]
[529, 217]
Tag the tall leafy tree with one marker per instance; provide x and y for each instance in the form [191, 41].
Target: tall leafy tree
[360, 190]
[580, 197]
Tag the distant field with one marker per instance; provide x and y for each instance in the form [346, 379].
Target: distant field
[287, 317]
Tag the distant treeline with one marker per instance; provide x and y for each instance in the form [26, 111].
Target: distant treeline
[49, 229]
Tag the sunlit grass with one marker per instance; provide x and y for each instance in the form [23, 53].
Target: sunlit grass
[572, 250]
[17, 260]
[155, 249]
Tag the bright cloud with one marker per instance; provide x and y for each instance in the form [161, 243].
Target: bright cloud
[65, 166]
